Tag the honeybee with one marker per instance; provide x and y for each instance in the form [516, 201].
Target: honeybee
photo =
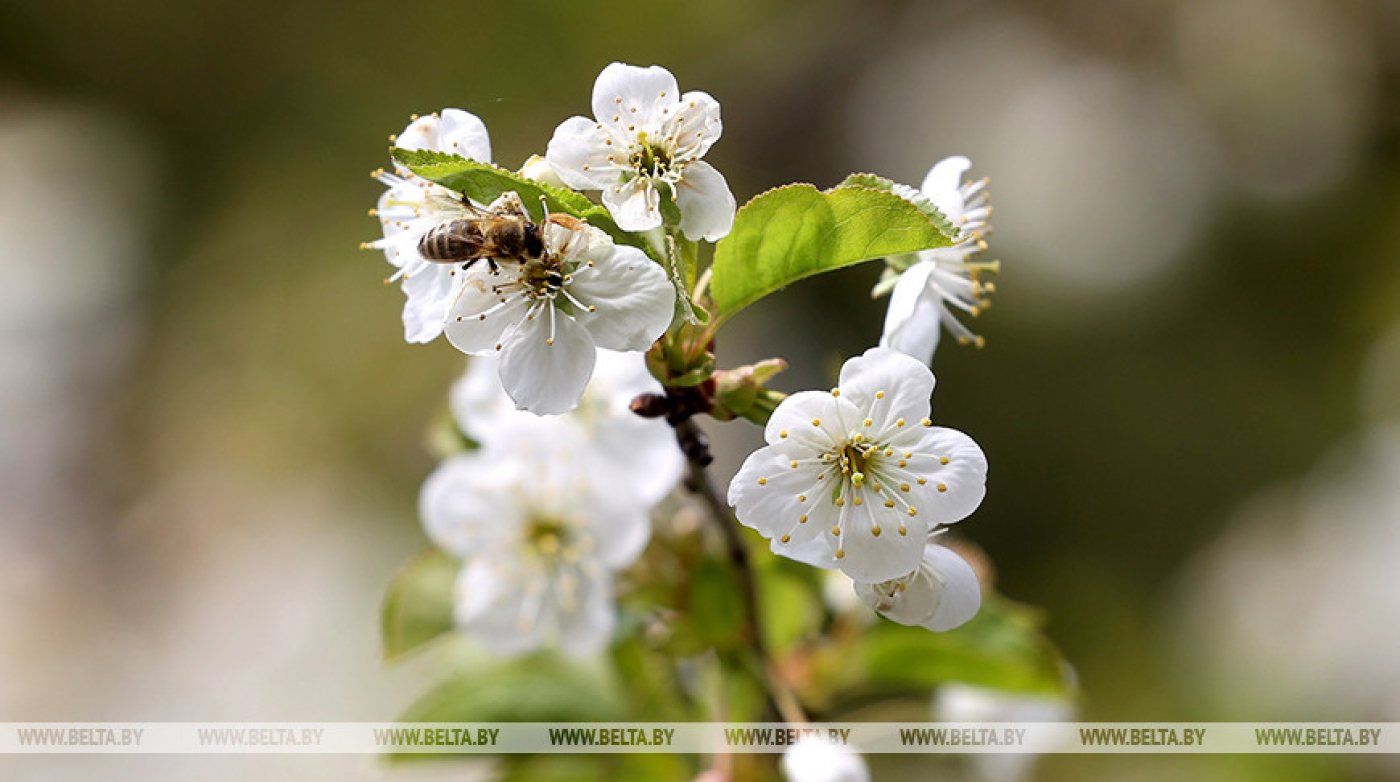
[502, 233]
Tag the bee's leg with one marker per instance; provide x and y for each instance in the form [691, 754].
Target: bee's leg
[491, 264]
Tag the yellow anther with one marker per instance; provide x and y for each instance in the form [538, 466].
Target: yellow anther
[943, 487]
[889, 452]
[802, 520]
[904, 487]
[762, 481]
[786, 538]
[900, 422]
[836, 530]
[857, 501]
[889, 503]
[816, 422]
[875, 530]
[868, 422]
[922, 481]
[903, 530]
[840, 553]
[783, 434]
[793, 464]
[801, 498]
[943, 460]
[836, 392]
[840, 502]
[879, 394]
[926, 422]
[913, 511]
[902, 463]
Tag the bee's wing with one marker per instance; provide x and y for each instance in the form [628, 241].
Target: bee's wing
[452, 206]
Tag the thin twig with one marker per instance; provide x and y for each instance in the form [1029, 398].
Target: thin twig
[695, 445]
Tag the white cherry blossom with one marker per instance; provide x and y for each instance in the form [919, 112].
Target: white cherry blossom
[945, 279]
[411, 206]
[942, 593]
[541, 541]
[547, 318]
[633, 454]
[856, 478]
[645, 144]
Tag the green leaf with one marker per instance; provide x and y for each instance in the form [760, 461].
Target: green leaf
[485, 183]
[1003, 647]
[796, 231]
[418, 606]
[791, 604]
[908, 193]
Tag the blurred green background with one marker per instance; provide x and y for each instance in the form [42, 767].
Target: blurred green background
[213, 429]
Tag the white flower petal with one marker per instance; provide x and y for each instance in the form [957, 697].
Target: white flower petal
[706, 203]
[578, 152]
[633, 204]
[872, 558]
[430, 291]
[813, 552]
[765, 494]
[458, 507]
[588, 627]
[958, 486]
[496, 613]
[467, 329]
[962, 595]
[913, 604]
[943, 184]
[633, 300]
[818, 761]
[543, 377]
[815, 419]
[694, 124]
[906, 385]
[539, 169]
[462, 133]
[626, 95]
[913, 322]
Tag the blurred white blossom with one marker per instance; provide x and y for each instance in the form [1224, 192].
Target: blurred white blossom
[817, 761]
[942, 593]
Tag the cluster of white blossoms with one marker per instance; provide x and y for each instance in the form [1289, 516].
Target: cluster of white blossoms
[549, 509]
[859, 479]
[547, 311]
[933, 283]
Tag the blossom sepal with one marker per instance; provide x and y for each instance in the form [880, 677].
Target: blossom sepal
[740, 392]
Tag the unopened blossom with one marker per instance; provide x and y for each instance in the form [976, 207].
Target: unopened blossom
[814, 760]
[411, 206]
[645, 144]
[546, 318]
[942, 593]
[935, 283]
[634, 454]
[856, 478]
[540, 541]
